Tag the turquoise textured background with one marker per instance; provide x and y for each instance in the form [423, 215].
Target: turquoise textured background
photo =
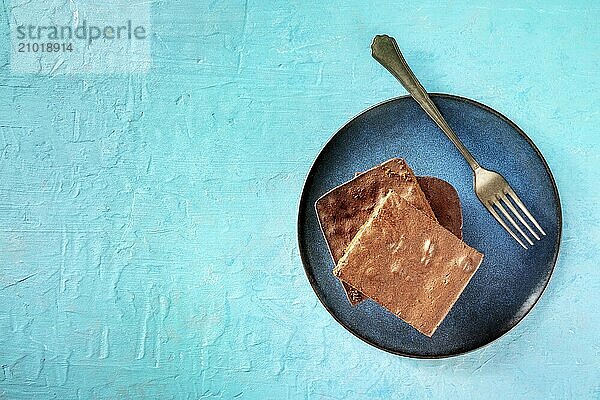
[148, 221]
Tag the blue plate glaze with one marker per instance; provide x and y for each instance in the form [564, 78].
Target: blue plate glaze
[509, 281]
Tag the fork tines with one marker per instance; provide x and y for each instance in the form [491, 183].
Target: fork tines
[507, 198]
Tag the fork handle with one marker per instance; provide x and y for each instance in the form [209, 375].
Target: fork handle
[385, 50]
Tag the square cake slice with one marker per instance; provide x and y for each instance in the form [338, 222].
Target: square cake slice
[344, 209]
[408, 263]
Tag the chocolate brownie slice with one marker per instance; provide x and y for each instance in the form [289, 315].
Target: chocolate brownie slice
[405, 261]
[344, 209]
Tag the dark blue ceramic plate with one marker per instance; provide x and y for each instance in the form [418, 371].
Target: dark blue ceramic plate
[509, 281]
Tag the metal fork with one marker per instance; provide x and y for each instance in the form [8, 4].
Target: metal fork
[491, 187]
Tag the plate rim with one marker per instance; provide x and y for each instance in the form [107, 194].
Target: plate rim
[301, 213]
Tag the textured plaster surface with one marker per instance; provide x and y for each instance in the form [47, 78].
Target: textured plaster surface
[148, 221]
